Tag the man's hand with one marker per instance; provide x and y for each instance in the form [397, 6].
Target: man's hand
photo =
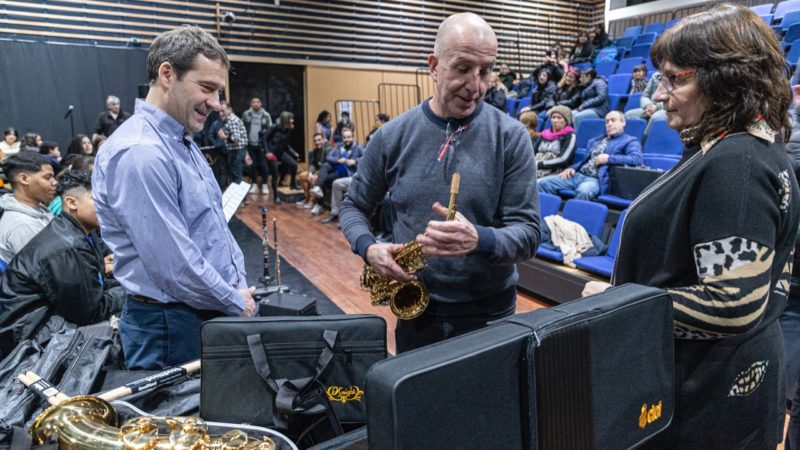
[601, 159]
[457, 237]
[109, 263]
[342, 160]
[567, 173]
[350, 162]
[381, 258]
[221, 133]
[649, 110]
[248, 161]
[249, 303]
[594, 287]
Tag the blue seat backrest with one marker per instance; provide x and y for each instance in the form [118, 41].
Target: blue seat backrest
[613, 245]
[672, 23]
[591, 215]
[762, 9]
[619, 83]
[633, 31]
[625, 42]
[790, 19]
[627, 65]
[634, 101]
[794, 53]
[660, 162]
[662, 140]
[640, 50]
[792, 33]
[588, 129]
[549, 204]
[645, 38]
[784, 8]
[606, 68]
[656, 28]
[635, 127]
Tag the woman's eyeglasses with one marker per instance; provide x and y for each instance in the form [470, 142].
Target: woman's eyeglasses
[670, 82]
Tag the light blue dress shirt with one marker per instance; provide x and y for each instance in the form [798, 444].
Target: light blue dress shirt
[160, 212]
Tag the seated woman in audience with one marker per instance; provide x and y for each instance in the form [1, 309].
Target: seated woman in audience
[323, 125]
[639, 80]
[583, 49]
[80, 145]
[496, 94]
[545, 94]
[568, 92]
[30, 142]
[594, 98]
[10, 145]
[717, 232]
[599, 36]
[60, 271]
[50, 149]
[531, 120]
[556, 146]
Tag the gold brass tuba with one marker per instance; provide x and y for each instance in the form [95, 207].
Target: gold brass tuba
[88, 422]
[407, 299]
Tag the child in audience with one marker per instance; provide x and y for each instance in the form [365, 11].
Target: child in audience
[9, 146]
[531, 120]
[639, 80]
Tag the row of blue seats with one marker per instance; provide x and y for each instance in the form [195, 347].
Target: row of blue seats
[781, 9]
[592, 217]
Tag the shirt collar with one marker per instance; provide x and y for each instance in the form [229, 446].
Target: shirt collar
[759, 128]
[426, 108]
[161, 120]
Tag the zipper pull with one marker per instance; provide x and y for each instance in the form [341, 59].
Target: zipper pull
[348, 355]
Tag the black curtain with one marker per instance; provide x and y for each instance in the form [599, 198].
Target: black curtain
[40, 81]
[280, 88]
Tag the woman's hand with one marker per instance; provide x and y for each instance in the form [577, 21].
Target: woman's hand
[594, 287]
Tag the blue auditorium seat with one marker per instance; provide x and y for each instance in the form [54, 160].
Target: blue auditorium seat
[672, 23]
[626, 65]
[635, 127]
[656, 28]
[792, 34]
[784, 8]
[606, 68]
[511, 105]
[633, 31]
[634, 101]
[651, 69]
[614, 201]
[589, 128]
[549, 204]
[662, 140]
[640, 50]
[583, 67]
[762, 9]
[618, 86]
[624, 43]
[660, 162]
[789, 19]
[794, 53]
[604, 264]
[767, 18]
[590, 215]
[645, 38]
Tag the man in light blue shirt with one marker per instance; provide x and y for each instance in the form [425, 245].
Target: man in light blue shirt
[160, 208]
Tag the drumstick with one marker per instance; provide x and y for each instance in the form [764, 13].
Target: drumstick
[42, 388]
[159, 379]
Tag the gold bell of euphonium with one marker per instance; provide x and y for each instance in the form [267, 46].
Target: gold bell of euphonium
[89, 422]
[407, 299]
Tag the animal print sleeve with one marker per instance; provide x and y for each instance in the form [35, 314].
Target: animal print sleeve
[734, 275]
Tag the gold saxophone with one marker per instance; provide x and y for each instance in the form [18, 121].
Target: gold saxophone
[89, 422]
[407, 299]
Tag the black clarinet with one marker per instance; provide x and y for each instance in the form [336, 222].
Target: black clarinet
[266, 278]
[277, 254]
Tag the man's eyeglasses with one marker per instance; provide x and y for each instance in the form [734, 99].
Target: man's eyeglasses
[670, 82]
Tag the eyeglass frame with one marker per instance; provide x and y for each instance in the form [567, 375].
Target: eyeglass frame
[669, 80]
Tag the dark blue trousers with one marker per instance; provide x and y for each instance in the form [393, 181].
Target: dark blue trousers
[158, 336]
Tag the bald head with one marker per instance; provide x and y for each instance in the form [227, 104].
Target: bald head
[459, 27]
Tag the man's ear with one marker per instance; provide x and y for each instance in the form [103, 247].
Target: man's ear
[433, 62]
[166, 74]
[23, 179]
[69, 202]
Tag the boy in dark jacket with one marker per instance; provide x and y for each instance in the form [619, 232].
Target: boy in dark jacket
[60, 271]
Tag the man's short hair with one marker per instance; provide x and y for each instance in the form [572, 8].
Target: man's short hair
[47, 147]
[317, 134]
[112, 99]
[179, 47]
[285, 117]
[619, 114]
[382, 117]
[23, 162]
[74, 179]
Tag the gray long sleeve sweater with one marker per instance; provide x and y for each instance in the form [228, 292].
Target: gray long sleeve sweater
[494, 156]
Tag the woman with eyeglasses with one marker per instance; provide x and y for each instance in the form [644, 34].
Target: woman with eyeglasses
[717, 231]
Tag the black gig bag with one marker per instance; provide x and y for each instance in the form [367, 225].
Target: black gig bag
[289, 373]
[594, 373]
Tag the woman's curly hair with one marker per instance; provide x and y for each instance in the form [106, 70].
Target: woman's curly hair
[741, 71]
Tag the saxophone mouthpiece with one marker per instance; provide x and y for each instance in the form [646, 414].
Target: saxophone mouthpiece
[454, 183]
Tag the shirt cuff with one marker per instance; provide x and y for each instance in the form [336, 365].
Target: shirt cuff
[485, 240]
[234, 304]
[362, 243]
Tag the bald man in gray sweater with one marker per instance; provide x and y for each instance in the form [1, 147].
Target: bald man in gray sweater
[471, 272]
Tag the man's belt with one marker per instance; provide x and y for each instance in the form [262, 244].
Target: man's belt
[147, 300]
